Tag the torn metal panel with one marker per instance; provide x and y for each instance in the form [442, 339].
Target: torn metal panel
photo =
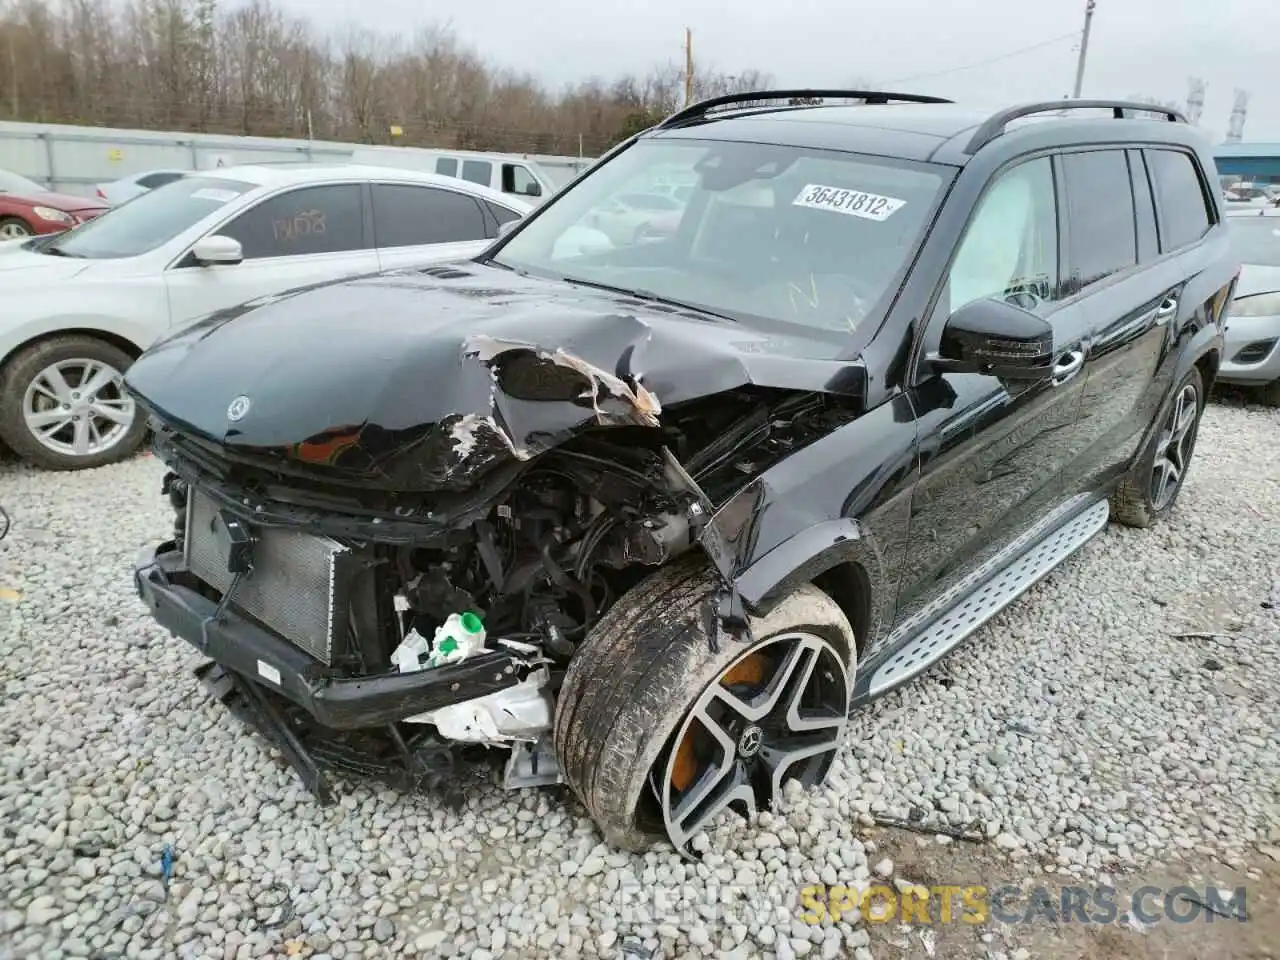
[439, 377]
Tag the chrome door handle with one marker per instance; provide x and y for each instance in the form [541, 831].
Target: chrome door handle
[1167, 309]
[1068, 365]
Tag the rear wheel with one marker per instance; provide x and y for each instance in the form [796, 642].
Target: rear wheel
[14, 228]
[63, 405]
[658, 731]
[1152, 486]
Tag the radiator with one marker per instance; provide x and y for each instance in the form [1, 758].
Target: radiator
[298, 586]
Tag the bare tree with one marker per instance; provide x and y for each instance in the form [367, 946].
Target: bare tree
[245, 67]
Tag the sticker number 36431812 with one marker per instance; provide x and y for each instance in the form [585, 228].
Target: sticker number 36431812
[856, 203]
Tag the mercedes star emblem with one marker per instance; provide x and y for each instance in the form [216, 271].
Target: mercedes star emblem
[238, 408]
[750, 742]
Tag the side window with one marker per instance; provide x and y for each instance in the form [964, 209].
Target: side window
[307, 221]
[406, 216]
[517, 179]
[447, 167]
[1184, 213]
[478, 171]
[153, 180]
[502, 214]
[1100, 216]
[1010, 250]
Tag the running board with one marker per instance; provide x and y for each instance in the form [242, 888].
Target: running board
[987, 596]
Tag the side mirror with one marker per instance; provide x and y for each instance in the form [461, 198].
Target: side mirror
[505, 228]
[996, 338]
[217, 249]
[533, 190]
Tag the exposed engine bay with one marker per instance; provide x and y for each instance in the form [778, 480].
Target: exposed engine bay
[363, 582]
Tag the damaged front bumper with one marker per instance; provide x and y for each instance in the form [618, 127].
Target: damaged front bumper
[339, 703]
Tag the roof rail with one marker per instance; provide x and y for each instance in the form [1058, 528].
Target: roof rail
[700, 109]
[995, 125]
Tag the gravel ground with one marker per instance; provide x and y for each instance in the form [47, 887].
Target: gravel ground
[1123, 713]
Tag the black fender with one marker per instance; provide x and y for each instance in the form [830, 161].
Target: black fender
[1207, 340]
[844, 499]
[1193, 347]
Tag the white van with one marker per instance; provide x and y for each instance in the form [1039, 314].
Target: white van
[504, 172]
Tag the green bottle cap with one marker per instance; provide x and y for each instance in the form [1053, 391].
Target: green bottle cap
[471, 622]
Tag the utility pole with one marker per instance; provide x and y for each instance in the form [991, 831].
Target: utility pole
[688, 66]
[1084, 45]
[13, 66]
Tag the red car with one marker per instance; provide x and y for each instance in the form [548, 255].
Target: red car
[26, 208]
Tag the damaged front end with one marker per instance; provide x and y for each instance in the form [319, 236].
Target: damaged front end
[322, 577]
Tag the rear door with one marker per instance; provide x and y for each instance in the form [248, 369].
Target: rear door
[1128, 287]
[415, 225]
[290, 239]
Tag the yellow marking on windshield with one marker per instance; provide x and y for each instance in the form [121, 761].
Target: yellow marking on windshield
[811, 297]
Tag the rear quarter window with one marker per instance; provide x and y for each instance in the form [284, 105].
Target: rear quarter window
[502, 214]
[1180, 197]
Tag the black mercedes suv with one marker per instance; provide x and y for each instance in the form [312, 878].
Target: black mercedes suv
[646, 499]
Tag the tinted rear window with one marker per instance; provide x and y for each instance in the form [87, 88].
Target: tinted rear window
[406, 216]
[1100, 215]
[502, 214]
[1184, 214]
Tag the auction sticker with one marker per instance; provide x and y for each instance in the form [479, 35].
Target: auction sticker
[856, 203]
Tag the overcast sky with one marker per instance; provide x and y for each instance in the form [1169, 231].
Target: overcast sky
[1137, 46]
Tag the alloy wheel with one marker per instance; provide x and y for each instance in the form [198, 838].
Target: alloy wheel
[1173, 450]
[78, 407]
[13, 230]
[776, 713]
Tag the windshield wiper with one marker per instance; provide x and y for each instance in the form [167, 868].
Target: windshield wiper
[650, 296]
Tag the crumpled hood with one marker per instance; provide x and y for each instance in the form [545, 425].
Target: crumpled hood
[424, 380]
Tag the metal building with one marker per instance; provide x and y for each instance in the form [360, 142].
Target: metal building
[1255, 162]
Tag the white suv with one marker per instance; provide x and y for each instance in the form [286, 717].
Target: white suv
[80, 306]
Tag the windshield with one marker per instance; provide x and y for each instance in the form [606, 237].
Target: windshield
[12, 183]
[147, 221]
[759, 232]
[1256, 240]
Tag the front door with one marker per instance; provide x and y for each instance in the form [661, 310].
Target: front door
[292, 239]
[993, 452]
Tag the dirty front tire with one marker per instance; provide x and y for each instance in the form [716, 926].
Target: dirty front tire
[1134, 503]
[638, 673]
[28, 364]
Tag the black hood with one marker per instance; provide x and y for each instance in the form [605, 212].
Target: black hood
[423, 380]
